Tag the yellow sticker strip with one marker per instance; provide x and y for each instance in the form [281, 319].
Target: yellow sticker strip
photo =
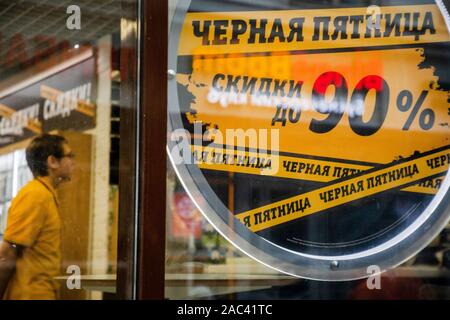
[377, 181]
[289, 167]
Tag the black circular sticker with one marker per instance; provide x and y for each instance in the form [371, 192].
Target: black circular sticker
[314, 136]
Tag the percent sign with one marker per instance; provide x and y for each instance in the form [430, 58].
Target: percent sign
[404, 104]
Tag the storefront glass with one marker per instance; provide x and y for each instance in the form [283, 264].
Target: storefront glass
[308, 148]
[67, 68]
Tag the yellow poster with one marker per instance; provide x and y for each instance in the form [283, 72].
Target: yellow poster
[322, 130]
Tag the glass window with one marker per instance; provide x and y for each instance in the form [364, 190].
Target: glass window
[66, 69]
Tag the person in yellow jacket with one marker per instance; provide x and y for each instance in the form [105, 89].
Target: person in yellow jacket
[30, 253]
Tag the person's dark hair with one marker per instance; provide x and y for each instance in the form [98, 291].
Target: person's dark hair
[40, 149]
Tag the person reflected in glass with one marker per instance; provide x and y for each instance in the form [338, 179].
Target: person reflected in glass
[30, 252]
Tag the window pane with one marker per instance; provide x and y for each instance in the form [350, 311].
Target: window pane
[61, 74]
